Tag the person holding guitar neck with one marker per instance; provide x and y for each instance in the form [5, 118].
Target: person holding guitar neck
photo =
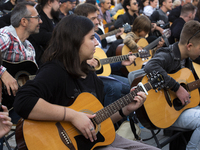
[114, 86]
[65, 75]
[170, 60]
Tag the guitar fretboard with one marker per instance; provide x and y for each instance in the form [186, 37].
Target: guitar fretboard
[103, 36]
[109, 110]
[116, 59]
[194, 85]
[152, 44]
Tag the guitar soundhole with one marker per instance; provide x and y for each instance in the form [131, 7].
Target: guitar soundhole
[22, 77]
[177, 104]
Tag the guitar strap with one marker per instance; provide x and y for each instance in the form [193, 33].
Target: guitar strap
[132, 124]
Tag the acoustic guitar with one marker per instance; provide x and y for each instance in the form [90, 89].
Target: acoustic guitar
[107, 25]
[145, 46]
[21, 71]
[49, 135]
[196, 68]
[162, 109]
[127, 28]
[104, 69]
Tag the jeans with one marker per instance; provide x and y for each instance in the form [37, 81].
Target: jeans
[190, 119]
[114, 88]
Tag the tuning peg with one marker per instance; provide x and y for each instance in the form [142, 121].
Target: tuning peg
[162, 86]
[142, 59]
[159, 89]
[156, 91]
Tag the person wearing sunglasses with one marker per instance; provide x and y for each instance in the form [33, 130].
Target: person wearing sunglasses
[131, 8]
[172, 59]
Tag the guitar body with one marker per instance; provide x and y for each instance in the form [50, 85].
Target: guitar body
[45, 134]
[102, 70]
[123, 35]
[138, 61]
[196, 68]
[21, 70]
[158, 109]
[106, 29]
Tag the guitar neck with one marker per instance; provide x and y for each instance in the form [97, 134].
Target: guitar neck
[109, 110]
[116, 59]
[152, 44]
[103, 36]
[193, 85]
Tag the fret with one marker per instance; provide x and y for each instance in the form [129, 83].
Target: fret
[103, 36]
[153, 44]
[193, 85]
[109, 110]
[113, 59]
[128, 98]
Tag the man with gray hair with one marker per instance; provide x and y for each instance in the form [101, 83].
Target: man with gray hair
[13, 44]
[15, 48]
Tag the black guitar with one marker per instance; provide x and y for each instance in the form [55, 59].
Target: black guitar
[21, 71]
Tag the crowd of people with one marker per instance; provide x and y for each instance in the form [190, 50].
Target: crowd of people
[61, 38]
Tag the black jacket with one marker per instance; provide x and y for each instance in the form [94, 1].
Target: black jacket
[123, 19]
[168, 60]
[40, 40]
[174, 13]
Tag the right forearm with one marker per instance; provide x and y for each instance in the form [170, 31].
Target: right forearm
[44, 110]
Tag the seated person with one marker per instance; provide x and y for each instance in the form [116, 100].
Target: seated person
[188, 12]
[67, 54]
[149, 9]
[131, 8]
[160, 16]
[175, 12]
[142, 4]
[117, 7]
[141, 27]
[170, 60]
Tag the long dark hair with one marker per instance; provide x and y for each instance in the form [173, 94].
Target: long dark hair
[64, 46]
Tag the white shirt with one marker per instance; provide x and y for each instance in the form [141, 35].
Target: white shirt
[148, 10]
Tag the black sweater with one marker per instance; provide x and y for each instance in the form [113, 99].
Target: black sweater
[55, 85]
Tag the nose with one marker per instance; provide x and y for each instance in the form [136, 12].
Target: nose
[96, 42]
[96, 21]
[40, 21]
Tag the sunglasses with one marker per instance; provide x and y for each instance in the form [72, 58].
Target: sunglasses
[135, 3]
[192, 36]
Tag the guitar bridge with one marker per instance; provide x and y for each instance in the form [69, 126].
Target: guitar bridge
[64, 137]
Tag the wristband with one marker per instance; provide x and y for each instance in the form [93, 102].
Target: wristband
[121, 113]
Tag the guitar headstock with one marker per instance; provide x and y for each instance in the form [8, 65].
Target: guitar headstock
[127, 28]
[156, 80]
[144, 53]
